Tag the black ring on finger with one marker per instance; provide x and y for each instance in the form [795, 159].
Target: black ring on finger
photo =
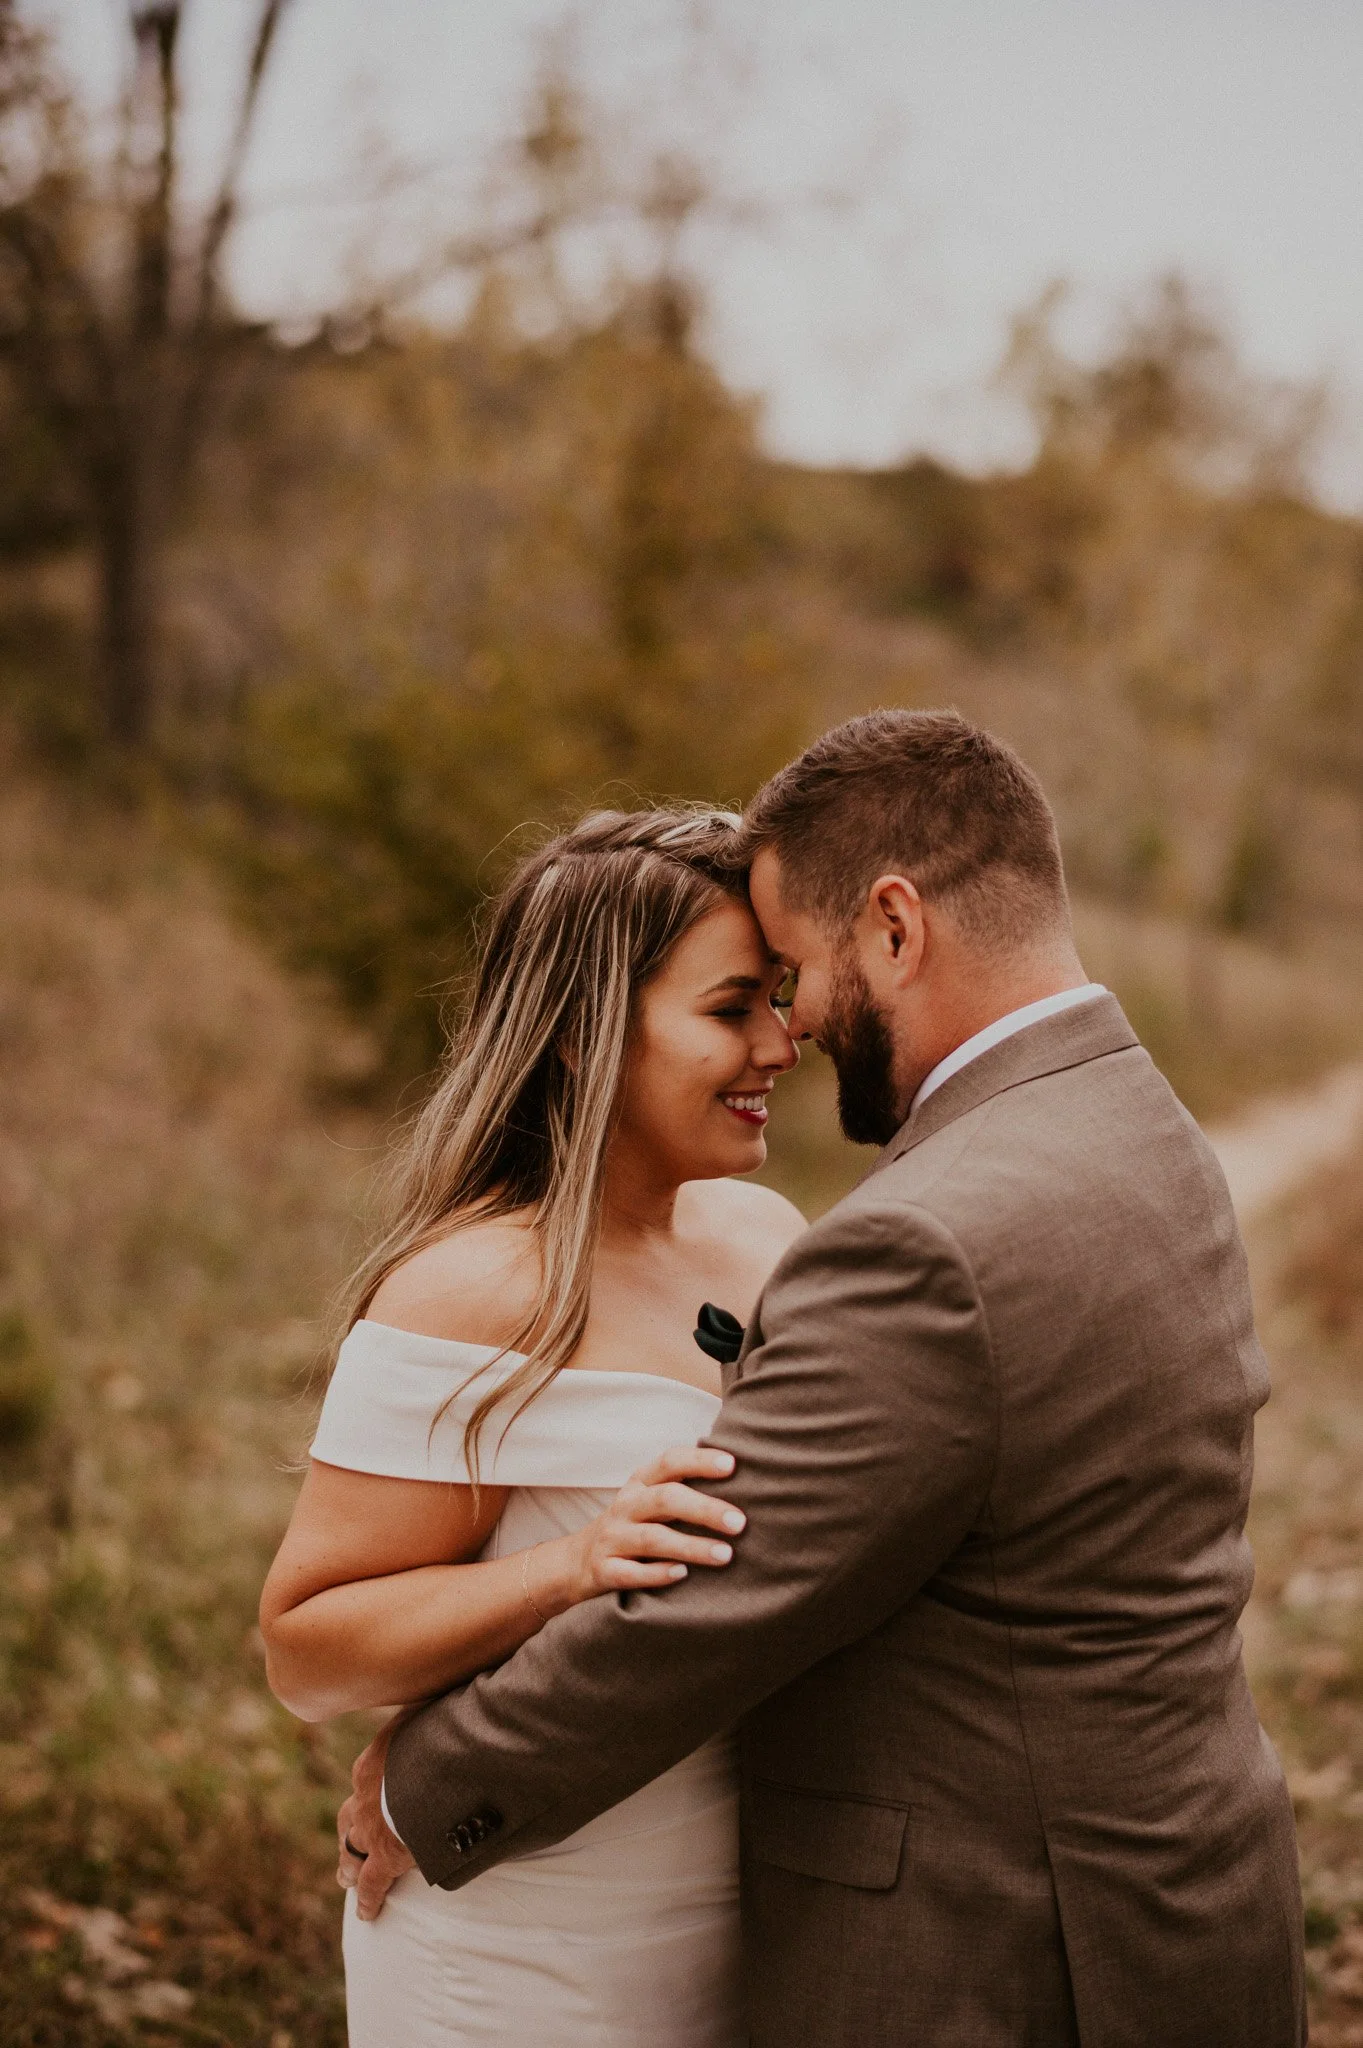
[360, 1855]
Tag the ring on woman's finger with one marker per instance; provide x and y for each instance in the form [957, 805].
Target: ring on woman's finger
[360, 1855]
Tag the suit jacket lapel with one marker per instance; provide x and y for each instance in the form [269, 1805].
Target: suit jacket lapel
[1089, 1031]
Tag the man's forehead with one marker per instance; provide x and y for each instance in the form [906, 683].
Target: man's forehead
[789, 934]
[764, 887]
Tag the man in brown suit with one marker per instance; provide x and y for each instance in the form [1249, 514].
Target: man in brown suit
[1002, 1778]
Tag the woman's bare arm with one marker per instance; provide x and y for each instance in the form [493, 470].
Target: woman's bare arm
[372, 1602]
[356, 1611]
[375, 1598]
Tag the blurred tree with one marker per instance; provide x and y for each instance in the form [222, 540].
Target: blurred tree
[113, 322]
[495, 578]
[454, 577]
[1164, 549]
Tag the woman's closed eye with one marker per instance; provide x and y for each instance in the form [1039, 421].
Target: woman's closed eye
[781, 998]
[739, 1015]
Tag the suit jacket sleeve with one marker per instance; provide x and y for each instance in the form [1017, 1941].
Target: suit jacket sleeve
[864, 1428]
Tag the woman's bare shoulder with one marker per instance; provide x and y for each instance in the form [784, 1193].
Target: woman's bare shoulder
[742, 1211]
[475, 1286]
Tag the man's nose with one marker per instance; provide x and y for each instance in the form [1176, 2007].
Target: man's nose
[801, 1032]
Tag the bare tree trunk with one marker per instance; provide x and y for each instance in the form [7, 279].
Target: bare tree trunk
[127, 613]
[119, 361]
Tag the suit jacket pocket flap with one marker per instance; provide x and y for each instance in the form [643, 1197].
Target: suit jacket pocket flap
[816, 1834]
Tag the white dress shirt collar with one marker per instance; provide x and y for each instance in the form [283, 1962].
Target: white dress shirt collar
[1003, 1027]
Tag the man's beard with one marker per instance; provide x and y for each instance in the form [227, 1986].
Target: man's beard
[857, 1040]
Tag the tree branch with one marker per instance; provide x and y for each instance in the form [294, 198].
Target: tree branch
[224, 209]
[199, 349]
[156, 29]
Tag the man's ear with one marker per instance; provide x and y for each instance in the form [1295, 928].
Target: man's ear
[894, 923]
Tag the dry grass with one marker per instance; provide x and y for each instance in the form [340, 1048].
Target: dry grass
[174, 1210]
[1304, 1630]
[1324, 1256]
[1226, 1018]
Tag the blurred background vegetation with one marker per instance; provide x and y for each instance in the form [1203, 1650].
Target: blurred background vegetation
[298, 638]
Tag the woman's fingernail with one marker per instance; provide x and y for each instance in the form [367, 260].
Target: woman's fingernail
[733, 1520]
[677, 1571]
[720, 1552]
[724, 1461]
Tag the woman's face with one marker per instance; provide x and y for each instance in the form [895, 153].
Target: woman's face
[707, 1048]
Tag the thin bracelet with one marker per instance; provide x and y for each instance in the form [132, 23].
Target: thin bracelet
[530, 1599]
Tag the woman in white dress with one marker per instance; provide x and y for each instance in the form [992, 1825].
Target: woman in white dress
[513, 1419]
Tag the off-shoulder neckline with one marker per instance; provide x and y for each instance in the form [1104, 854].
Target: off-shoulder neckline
[582, 1372]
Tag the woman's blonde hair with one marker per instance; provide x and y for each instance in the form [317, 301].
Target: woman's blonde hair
[522, 1112]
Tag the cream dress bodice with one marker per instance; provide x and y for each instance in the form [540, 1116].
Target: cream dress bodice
[626, 1934]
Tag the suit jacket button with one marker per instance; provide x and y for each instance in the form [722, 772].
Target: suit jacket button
[461, 1838]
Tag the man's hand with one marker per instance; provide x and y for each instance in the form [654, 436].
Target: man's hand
[381, 1859]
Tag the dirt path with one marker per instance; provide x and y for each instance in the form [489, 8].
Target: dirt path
[1277, 1142]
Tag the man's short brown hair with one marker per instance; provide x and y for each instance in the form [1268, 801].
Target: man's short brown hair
[924, 794]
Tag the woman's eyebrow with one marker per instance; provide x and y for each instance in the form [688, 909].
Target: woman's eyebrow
[748, 982]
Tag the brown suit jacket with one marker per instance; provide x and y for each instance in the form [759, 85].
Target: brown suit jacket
[1002, 1778]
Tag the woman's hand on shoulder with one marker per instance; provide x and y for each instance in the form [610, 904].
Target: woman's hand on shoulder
[475, 1286]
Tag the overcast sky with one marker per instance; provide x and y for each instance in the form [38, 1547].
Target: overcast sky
[988, 146]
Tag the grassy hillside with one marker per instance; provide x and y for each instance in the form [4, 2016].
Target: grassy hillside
[175, 1205]
[1304, 1631]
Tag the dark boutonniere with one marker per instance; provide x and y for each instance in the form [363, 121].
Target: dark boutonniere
[719, 1335]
